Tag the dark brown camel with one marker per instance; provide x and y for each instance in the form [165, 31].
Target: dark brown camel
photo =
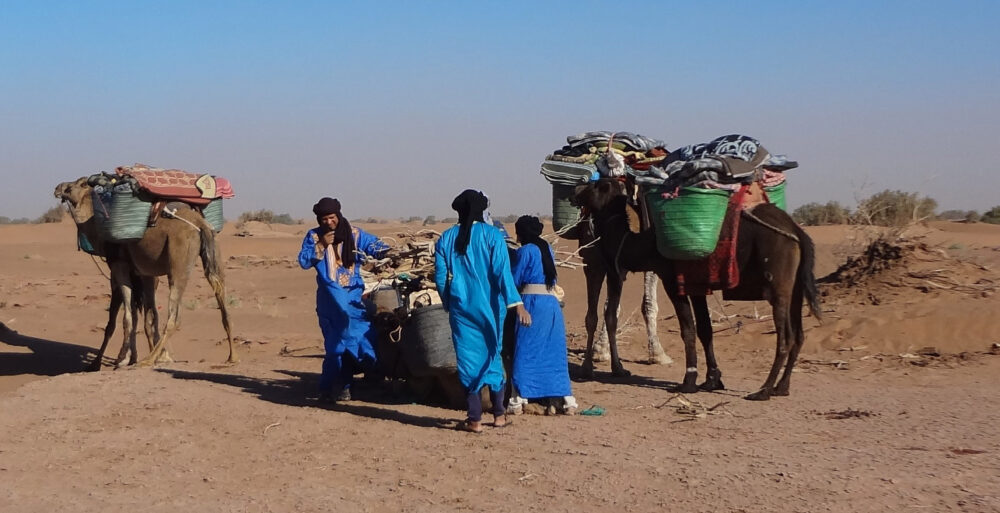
[169, 248]
[775, 257]
[595, 272]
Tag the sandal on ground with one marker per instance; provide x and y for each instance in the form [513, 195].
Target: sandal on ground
[470, 426]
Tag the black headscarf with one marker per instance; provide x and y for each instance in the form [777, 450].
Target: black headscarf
[341, 234]
[470, 206]
[529, 231]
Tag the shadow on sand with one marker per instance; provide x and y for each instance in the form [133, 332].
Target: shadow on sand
[47, 357]
[299, 390]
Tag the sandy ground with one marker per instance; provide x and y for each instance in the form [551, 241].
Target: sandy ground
[876, 421]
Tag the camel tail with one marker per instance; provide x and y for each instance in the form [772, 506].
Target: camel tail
[210, 258]
[805, 272]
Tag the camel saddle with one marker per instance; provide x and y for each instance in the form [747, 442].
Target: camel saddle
[174, 184]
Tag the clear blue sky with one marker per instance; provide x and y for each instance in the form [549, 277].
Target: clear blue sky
[395, 107]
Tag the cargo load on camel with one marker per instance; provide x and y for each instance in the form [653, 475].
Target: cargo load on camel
[133, 198]
[583, 160]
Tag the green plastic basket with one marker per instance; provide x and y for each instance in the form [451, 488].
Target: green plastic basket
[776, 195]
[563, 212]
[687, 227]
[121, 216]
[213, 214]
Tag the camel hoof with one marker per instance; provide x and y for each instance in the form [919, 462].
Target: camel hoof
[759, 395]
[587, 371]
[780, 392]
[620, 373]
[688, 388]
[94, 366]
[710, 385]
[661, 359]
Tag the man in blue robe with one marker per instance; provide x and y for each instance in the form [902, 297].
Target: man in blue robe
[540, 368]
[336, 250]
[472, 274]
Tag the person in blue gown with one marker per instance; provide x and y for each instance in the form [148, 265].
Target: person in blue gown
[472, 274]
[336, 250]
[540, 366]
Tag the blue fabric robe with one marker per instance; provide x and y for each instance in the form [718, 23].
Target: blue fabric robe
[343, 316]
[476, 290]
[541, 368]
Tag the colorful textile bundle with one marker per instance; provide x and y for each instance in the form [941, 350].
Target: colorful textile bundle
[723, 163]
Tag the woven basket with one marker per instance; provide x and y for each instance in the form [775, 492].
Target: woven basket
[213, 214]
[121, 216]
[427, 346]
[563, 212]
[687, 227]
[776, 195]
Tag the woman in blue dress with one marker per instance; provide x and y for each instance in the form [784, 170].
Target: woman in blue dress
[540, 369]
[336, 251]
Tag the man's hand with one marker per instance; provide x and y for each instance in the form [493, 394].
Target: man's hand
[523, 316]
[326, 239]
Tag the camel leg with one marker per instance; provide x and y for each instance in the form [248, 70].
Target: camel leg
[615, 283]
[602, 348]
[650, 309]
[595, 279]
[782, 328]
[109, 328]
[177, 285]
[220, 298]
[121, 278]
[151, 318]
[796, 331]
[703, 325]
[686, 320]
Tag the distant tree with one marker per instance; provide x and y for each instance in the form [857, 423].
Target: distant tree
[969, 216]
[450, 220]
[52, 215]
[262, 215]
[283, 219]
[814, 214]
[430, 220]
[4, 220]
[991, 216]
[894, 208]
[951, 215]
[414, 219]
[268, 217]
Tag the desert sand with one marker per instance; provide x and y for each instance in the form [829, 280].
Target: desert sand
[894, 406]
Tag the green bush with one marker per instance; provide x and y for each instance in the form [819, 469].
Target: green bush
[991, 216]
[894, 208]
[430, 220]
[814, 214]
[267, 216]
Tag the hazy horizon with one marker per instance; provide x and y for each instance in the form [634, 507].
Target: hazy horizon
[394, 108]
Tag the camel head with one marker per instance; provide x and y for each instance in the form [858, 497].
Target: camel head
[596, 196]
[73, 192]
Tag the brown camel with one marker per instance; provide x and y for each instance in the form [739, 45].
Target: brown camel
[169, 248]
[775, 257]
